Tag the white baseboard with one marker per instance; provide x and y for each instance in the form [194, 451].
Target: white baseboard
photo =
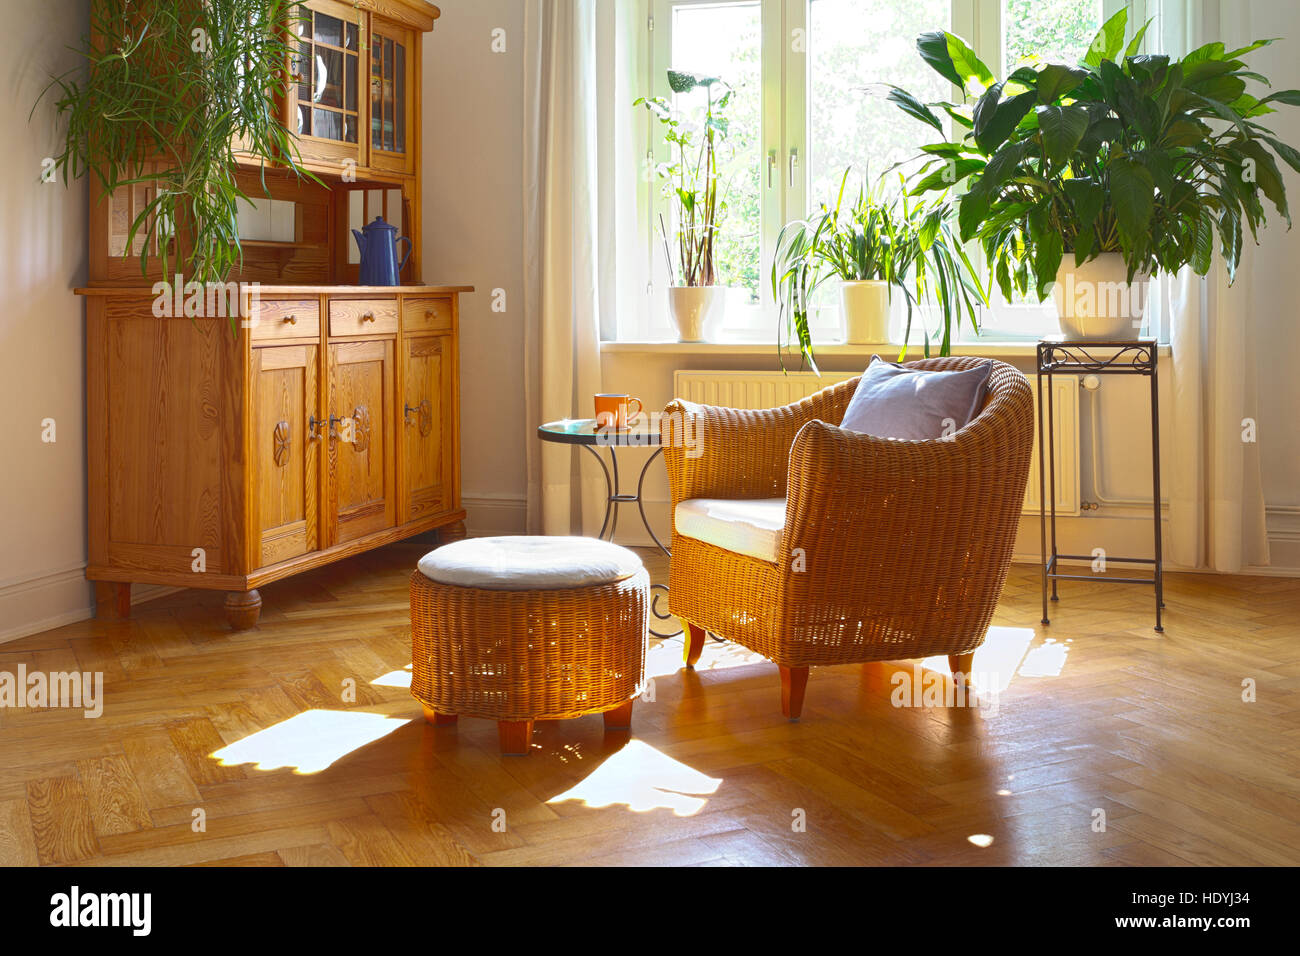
[55, 598]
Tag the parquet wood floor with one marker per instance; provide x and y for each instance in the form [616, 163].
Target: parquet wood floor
[1109, 744]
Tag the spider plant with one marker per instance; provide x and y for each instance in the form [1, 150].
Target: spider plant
[908, 243]
[168, 95]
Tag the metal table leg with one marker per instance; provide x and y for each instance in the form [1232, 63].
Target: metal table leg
[609, 526]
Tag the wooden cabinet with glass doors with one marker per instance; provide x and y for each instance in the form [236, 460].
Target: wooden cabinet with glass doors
[227, 455]
[354, 76]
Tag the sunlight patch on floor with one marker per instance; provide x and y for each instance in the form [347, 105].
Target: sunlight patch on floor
[643, 778]
[665, 657]
[1045, 660]
[309, 742]
[400, 678]
[996, 661]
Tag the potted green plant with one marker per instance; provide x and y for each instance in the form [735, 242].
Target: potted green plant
[874, 247]
[169, 95]
[1085, 180]
[691, 183]
[859, 248]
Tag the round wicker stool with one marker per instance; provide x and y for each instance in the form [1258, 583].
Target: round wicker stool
[519, 629]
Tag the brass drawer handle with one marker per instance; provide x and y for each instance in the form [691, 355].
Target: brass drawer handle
[368, 317]
[429, 314]
[291, 320]
[424, 416]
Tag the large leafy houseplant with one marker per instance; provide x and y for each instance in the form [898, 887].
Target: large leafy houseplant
[1146, 156]
[690, 175]
[910, 245]
[169, 94]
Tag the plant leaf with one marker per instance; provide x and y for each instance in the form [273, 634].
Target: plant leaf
[1136, 43]
[933, 47]
[976, 77]
[913, 107]
[1006, 117]
[1109, 40]
[1062, 128]
[947, 175]
[1267, 175]
[1132, 193]
[1056, 80]
[1289, 97]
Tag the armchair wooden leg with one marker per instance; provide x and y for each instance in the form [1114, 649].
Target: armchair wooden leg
[794, 681]
[961, 667]
[694, 638]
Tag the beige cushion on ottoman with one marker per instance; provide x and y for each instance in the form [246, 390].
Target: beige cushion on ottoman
[529, 564]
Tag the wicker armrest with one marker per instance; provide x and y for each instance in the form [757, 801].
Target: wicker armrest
[714, 452]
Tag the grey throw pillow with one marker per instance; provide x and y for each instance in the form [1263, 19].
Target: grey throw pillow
[896, 402]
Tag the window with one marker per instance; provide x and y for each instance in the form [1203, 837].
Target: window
[802, 111]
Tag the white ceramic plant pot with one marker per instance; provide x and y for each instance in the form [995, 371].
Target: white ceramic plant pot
[696, 310]
[1096, 300]
[866, 311]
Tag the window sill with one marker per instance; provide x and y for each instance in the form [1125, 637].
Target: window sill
[989, 349]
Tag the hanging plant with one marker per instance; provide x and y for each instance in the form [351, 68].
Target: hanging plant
[169, 95]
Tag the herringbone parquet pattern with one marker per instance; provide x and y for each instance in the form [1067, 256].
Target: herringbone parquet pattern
[1110, 744]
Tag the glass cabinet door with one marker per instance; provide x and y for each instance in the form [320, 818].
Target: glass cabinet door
[326, 68]
[390, 96]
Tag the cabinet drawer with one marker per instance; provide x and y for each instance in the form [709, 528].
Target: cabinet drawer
[363, 316]
[426, 315]
[274, 319]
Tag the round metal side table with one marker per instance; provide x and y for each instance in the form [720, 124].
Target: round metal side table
[584, 433]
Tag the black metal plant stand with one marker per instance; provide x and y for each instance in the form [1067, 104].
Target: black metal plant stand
[1101, 357]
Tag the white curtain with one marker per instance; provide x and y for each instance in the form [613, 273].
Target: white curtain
[1216, 498]
[580, 234]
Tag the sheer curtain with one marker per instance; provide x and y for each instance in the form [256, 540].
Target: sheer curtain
[580, 233]
[1216, 498]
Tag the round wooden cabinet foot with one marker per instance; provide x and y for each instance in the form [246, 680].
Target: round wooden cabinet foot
[451, 532]
[243, 608]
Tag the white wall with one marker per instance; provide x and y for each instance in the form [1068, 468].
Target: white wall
[473, 228]
[42, 257]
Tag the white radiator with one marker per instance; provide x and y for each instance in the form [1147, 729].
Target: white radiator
[1065, 408]
[771, 389]
[752, 389]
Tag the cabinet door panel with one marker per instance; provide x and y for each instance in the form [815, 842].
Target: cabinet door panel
[285, 453]
[362, 405]
[428, 404]
[392, 72]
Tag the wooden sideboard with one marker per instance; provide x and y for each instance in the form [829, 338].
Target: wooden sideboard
[329, 427]
[226, 454]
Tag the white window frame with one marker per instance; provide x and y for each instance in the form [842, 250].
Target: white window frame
[783, 140]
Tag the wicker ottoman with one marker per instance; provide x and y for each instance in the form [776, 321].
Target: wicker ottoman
[519, 629]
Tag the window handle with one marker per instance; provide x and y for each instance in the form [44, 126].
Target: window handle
[771, 167]
[794, 164]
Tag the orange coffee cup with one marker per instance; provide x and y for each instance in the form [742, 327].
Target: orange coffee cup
[615, 410]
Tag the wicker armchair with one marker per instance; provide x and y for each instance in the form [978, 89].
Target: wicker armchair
[890, 549]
